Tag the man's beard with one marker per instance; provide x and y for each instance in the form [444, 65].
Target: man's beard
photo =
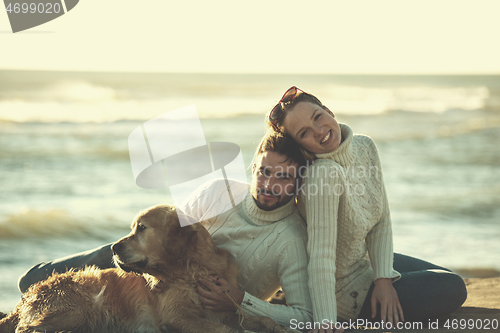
[274, 206]
[267, 208]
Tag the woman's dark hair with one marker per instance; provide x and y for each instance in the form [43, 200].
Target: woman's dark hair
[277, 126]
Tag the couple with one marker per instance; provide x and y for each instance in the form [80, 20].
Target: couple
[325, 272]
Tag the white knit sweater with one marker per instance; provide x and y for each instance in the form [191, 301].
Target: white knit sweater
[269, 246]
[344, 202]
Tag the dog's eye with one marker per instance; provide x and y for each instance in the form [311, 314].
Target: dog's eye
[141, 227]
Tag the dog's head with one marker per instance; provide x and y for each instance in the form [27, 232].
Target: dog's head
[157, 241]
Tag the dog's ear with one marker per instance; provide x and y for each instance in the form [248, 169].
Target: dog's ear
[201, 248]
[179, 240]
[204, 241]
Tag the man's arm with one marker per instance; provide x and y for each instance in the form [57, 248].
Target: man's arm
[292, 270]
[290, 262]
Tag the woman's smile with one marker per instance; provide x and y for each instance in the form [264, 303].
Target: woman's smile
[327, 136]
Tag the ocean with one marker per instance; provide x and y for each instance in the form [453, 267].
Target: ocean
[67, 183]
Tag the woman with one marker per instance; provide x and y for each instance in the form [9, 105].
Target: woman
[344, 202]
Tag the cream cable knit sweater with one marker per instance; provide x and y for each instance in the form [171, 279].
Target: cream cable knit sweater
[344, 201]
[269, 246]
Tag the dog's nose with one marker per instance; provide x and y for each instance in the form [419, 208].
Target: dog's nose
[116, 247]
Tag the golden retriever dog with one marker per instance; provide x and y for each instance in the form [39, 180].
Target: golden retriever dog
[152, 291]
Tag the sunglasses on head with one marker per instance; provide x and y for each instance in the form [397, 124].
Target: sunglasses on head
[289, 95]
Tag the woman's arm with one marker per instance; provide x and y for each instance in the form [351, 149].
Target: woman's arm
[322, 189]
[380, 250]
[379, 239]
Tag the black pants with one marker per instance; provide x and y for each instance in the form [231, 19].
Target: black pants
[425, 291]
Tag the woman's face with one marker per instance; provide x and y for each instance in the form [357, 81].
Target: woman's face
[313, 128]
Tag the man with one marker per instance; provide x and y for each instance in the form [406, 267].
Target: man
[264, 232]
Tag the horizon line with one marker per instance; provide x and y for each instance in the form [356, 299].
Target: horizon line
[260, 73]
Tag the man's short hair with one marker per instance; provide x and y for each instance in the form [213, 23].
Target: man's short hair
[282, 144]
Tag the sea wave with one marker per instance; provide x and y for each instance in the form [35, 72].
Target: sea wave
[54, 223]
[81, 99]
[74, 90]
[460, 204]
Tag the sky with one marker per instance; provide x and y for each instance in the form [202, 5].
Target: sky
[233, 36]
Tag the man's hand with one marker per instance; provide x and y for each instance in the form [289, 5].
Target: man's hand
[390, 308]
[214, 292]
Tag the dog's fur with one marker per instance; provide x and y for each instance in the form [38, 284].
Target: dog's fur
[162, 298]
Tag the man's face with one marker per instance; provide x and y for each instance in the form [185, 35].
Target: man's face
[273, 180]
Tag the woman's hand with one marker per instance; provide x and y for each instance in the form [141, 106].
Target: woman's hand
[328, 330]
[214, 292]
[390, 308]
